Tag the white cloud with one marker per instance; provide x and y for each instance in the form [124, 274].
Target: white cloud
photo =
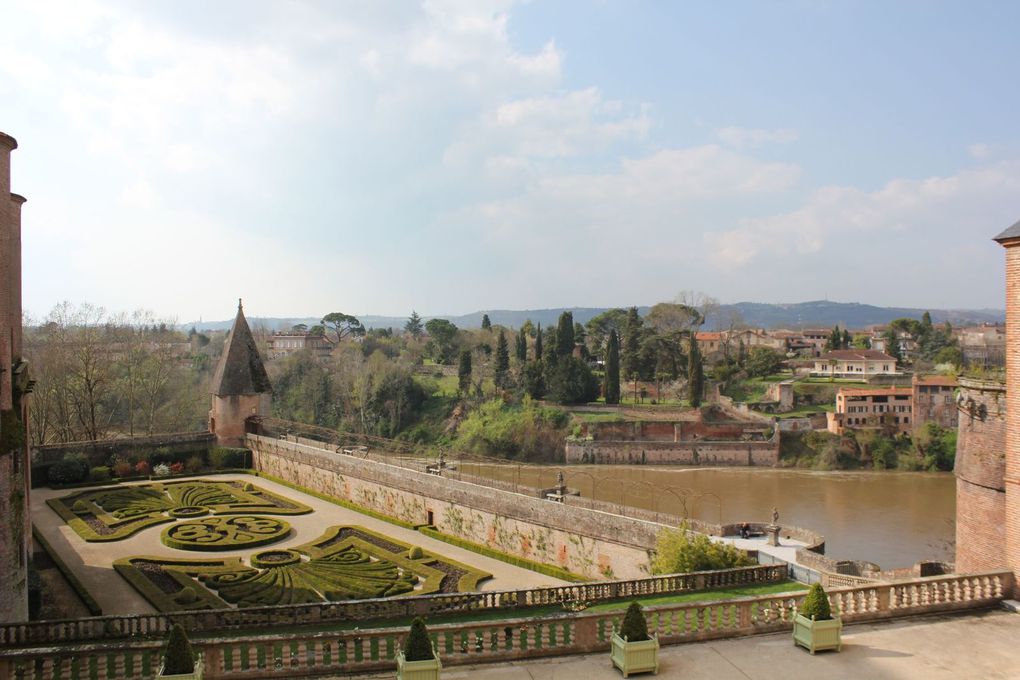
[979, 151]
[741, 138]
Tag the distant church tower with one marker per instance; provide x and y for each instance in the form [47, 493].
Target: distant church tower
[15, 521]
[240, 387]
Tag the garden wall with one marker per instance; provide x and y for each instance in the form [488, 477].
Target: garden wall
[587, 542]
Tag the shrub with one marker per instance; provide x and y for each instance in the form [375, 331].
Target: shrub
[99, 473]
[224, 457]
[179, 657]
[122, 468]
[161, 470]
[415, 553]
[177, 468]
[187, 595]
[194, 464]
[67, 472]
[142, 467]
[634, 628]
[680, 550]
[816, 604]
[417, 645]
[80, 507]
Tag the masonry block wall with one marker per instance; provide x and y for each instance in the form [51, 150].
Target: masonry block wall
[588, 542]
[1011, 475]
[15, 521]
[980, 466]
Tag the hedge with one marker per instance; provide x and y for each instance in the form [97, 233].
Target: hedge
[547, 569]
[229, 541]
[72, 579]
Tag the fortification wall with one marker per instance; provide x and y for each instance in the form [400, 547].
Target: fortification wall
[735, 453]
[979, 468]
[588, 542]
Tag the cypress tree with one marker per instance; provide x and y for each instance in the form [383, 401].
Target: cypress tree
[418, 645]
[565, 335]
[502, 360]
[522, 345]
[486, 324]
[612, 385]
[179, 658]
[695, 374]
[464, 371]
[538, 343]
[847, 338]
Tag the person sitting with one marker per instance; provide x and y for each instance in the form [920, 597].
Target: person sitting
[745, 530]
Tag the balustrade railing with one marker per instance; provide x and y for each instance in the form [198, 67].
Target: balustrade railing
[197, 622]
[353, 651]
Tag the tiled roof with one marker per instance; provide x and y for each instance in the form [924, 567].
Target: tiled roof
[240, 370]
[857, 355]
[1011, 233]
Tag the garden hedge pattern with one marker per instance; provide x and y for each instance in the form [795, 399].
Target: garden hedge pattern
[114, 513]
[346, 562]
[225, 533]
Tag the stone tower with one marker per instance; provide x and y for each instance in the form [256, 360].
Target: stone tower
[241, 387]
[15, 522]
[1010, 240]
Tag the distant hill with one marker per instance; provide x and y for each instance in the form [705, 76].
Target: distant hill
[818, 313]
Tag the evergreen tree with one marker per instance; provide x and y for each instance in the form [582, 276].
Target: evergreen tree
[534, 379]
[612, 383]
[414, 325]
[502, 367]
[847, 339]
[179, 659]
[835, 340]
[630, 355]
[522, 345]
[464, 371]
[695, 374]
[538, 343]
[565, 335]
[486, 324]
[892, 343]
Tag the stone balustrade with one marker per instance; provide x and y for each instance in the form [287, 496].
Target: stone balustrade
[198, 622]
[294, 654]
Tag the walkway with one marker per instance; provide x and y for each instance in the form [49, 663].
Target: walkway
[982, 645]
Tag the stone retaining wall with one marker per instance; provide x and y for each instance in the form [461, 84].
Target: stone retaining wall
[734, 453]
[99, 452]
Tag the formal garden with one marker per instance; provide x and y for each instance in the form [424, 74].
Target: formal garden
[260, 533]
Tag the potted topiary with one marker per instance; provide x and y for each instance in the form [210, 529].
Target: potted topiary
[814, 626]
[633, 650]
[179, 661]
[418, 659]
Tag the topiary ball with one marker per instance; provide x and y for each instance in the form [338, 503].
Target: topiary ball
[415, 553]
[634, 628]
[816, 604]
[187, 595]
[80, 507]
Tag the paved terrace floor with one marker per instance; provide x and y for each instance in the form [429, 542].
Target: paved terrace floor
[983, 645]
[93, 562]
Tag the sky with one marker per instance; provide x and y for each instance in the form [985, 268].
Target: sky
[375, 157]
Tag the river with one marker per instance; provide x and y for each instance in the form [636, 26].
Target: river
[891, 518]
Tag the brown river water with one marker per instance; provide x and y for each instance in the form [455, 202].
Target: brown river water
[891, 518]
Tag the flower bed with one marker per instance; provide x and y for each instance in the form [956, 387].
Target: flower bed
[114, 513]
[345, 563]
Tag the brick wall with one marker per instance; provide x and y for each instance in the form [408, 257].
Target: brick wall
[99, 452]
[1012, 466]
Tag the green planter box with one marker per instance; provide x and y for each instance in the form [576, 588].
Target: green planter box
[194, 675]
[429, 669]
[817, 635]
[635, 657]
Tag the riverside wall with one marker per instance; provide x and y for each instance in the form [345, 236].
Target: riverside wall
[588, 542]
[696, 452]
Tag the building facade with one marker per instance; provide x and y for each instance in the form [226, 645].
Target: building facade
[854, 363]
[935, 400]
[285, 343]
[880, 408]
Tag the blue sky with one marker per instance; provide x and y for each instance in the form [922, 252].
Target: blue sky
[374, 157]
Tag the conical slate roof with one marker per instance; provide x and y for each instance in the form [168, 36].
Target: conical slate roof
[1011, 233]
[240, 370]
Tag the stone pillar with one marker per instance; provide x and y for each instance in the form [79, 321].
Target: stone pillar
[7, 257]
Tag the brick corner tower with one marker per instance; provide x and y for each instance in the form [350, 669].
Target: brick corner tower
[241, 387]
[1010, 240]
[15, 386]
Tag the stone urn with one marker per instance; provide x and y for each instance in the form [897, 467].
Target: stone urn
[817, 635]
[635, 657]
